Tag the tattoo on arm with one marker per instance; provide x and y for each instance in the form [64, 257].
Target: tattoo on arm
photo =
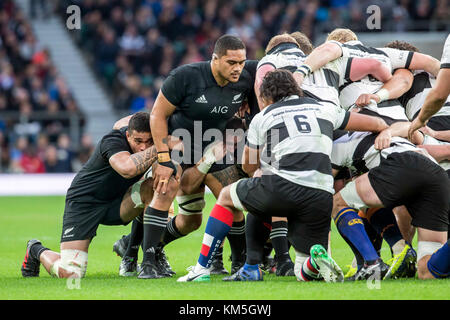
[227, 176]
[144, 159]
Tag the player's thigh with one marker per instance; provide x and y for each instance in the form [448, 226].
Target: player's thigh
[137, 197]
[357, 194]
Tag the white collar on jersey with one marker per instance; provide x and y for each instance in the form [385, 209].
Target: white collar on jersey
[353, 42]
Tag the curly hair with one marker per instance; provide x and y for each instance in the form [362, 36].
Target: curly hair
[279, 84]
[401, 45]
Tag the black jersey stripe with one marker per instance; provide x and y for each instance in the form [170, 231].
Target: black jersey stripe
[445, 65]
[332, 78]
[440, 123]
[360, 151]
[304, 161]
[297, 54]
[408, 59]
[347, 69]
[289, 68]
[313, 96]
[421, 82]
[389, 103]
[363, 48]
[282, 47]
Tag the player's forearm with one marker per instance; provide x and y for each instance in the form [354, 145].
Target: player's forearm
[362, 122]
[323, 54]
[141, 161]
[400, 83]
[433, 103]
[440, 153]
[158, 124]
[442, 135]
[425, 62]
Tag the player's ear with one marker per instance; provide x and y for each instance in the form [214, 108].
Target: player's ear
[215, 56]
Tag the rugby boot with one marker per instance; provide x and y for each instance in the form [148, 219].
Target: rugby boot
[285, 269]
[268, 265]
[217, 266]
[120, 246]
[149, 271]
[403, 264]
[128, 267]
[196, 274]
[244, 274]
[327, 267]
[163, 264]
[376, 270]
[30, 265]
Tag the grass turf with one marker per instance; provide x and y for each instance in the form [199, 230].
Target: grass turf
[23, 218]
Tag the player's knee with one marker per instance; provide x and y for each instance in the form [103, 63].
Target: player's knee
[189, 223]
[73, 264]
[191, 204]
[424, 251]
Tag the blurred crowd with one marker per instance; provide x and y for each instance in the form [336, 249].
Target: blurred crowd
[35, 103]
[134, 44]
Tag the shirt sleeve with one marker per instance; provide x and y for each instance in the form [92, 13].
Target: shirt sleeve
[340, 118]
[400, 59]
[113, 143]
[255, 139]
[445, 60]
[173, 87]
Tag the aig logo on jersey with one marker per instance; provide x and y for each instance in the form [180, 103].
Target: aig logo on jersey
[220, 109]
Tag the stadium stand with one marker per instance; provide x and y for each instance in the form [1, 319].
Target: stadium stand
[132, 45]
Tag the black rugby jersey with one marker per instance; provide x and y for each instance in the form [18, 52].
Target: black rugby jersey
[97, 181]
[197, 96]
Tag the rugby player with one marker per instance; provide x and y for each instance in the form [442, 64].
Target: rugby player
[193, 99]
[438, 95]
[384, 171]
[110, 189]
[292, 178]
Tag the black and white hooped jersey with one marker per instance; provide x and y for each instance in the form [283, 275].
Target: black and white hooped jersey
[445, 60]
[356, 150]
[349, 91]
[296, 136]
[414, 98]
[322, 84]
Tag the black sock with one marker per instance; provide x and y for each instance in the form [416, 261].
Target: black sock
[373, 235]
[171, 232]
[155, 222]
[135, 237]
[280, 242]
[36, 250]
[384, 222]
[236, 238]
[257, 233]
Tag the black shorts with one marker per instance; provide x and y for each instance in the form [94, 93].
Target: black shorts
[308, 210]
[81, 219]
[411, 179]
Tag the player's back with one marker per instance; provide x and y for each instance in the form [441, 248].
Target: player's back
[298, 134]
[414, 98]
[97, 181]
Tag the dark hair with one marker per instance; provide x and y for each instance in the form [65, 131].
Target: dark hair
[139, 122]
[303, 42]
[279, 84]
[401, 45]
[227, 42]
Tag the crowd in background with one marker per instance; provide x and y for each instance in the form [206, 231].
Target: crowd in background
[35, 103]
[134, 44]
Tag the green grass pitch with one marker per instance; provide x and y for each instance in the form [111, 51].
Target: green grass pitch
[23, 218]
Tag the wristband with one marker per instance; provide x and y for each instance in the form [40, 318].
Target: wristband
[163, 156]
[383, 94]
[169, 164]
[304, 69]
[207, 161]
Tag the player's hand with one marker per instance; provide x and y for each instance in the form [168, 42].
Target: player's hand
[415, 125]
[428, 131]
[161, 175]
[383, 140]
[364, 99]
[175, 144]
